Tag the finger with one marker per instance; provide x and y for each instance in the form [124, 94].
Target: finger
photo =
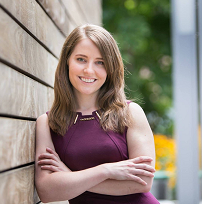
[47, 156]
[145, 167]
[138, 180]
[50, 167]
[48, 162]
[142, 159]
[143, 173]
[48, 149]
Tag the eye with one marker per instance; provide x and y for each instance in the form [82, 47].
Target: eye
[100, 62]
[80, 59]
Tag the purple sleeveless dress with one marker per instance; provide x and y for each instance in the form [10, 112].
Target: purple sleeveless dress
[86, 145]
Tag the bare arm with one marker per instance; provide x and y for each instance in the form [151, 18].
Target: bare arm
[64, 185]
[140, 139]
[140, 143]
[60, 185]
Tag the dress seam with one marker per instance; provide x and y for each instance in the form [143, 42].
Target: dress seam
[70, 137]
[117, 146]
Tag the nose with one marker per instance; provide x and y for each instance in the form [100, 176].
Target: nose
[88, 69]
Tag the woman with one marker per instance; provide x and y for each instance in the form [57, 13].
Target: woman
[104, 144]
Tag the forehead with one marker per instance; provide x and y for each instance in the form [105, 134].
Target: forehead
[87, 47]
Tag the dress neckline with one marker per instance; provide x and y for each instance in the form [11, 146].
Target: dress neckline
[81, 117]
[88, 115]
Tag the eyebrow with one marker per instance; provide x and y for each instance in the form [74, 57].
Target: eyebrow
[87, 57]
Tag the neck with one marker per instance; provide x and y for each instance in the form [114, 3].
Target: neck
[86, 103]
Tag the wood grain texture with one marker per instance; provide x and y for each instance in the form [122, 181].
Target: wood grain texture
[17, 186]
[20, 49]
[74, 12]
[32, 16]
[21, 95]
[92, 10]
[57, 13]
[17, 143]
[71, 26]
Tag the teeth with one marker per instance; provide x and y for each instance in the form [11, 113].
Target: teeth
[88, 80]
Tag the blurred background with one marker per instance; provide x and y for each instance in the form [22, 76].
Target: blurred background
[143, 32]
[151, 36]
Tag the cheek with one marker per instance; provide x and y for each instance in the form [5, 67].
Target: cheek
[73, 70]
[71, 75]
[103, 74]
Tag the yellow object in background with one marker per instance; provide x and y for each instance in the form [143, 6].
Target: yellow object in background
[166, 157]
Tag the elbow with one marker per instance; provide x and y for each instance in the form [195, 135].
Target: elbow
[44, 200]
[148, 187]
[45, 196]
[43, 192]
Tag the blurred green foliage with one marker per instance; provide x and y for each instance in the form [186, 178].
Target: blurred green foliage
[142, 30]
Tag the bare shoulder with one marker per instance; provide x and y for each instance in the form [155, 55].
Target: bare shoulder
[43, 135]
[42, 118]
[135, 107]
[136, 111]
[139, 135]
[43, 140]
[42, 122]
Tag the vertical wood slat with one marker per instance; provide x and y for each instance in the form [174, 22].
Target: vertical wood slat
[21, 95]
[34, 19]
[17, 186]
[24, 51]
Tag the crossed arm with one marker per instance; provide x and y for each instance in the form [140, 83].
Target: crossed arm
[55, 182]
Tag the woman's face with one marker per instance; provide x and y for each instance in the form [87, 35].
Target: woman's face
[86, 69]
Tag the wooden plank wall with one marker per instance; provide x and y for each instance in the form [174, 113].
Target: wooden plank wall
[31, 36]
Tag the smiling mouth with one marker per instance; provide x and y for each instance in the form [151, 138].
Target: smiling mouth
[87, 80]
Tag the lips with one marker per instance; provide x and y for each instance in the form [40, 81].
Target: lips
[87, 80]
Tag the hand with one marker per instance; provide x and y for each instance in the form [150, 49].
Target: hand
[51, 161]
[129, 169]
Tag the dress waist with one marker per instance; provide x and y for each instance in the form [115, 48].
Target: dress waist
[95, 198]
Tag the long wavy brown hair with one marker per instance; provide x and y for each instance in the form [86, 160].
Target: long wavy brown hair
[111, 99]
